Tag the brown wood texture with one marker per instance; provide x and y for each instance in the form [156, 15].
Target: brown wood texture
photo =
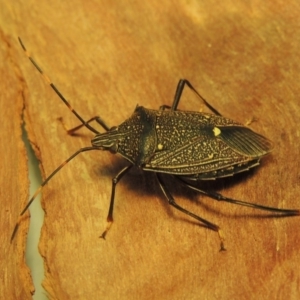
[106, 57]
[15, 279]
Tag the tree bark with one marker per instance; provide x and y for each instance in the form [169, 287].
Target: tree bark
[106, 58]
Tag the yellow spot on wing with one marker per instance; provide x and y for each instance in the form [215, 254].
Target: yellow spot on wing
[216, 131]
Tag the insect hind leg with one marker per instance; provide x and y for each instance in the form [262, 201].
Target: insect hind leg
[220, 197]
[180, 86]
[206, 223]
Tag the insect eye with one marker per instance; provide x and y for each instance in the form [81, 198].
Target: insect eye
[114, 148]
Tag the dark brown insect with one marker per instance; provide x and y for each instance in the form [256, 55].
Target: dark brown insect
[189, 145]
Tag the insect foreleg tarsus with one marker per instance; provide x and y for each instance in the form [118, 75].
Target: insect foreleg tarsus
[115, 180]
[220, 197]
[206, 223]
[72, 131]
[180, 86]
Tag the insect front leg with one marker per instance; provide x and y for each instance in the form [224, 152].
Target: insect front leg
[180, 86]
[174, 204]
[73, 130]
[115, 180]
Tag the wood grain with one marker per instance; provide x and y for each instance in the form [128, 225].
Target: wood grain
[106, 58]
[15, 282]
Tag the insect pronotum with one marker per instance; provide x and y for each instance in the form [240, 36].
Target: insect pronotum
[188, 145]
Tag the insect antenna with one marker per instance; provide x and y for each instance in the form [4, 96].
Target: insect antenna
[60, 95]
[46, 181]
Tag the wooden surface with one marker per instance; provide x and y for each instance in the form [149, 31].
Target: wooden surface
[107, 58]
[15, 282]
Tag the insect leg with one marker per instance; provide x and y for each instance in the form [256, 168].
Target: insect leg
[56, 90]
[180, 86]
[73, 130]
[115, 180]
[174, 204]
[46, 181]
[219, 197]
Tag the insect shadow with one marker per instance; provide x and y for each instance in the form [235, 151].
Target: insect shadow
[189, 146]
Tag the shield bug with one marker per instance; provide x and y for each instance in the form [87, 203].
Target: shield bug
[190, 146]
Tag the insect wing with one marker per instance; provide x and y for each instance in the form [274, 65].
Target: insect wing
[245, 141]
[205, 144]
